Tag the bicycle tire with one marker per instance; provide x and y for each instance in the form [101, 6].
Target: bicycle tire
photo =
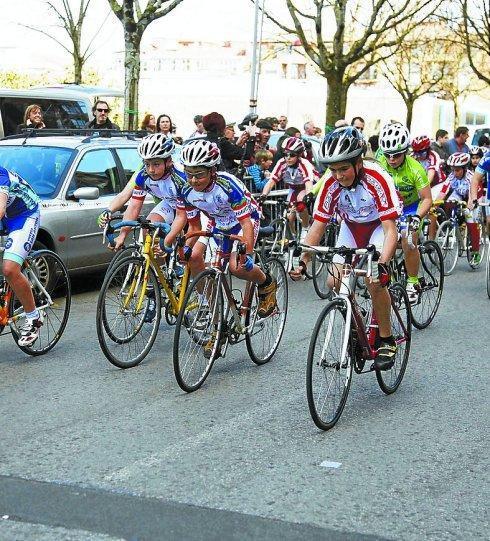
[448, 241]
[389, 380]
[431, 276]
[488, 272]
[194, 328]
[128, 251]
[125, 336]
[333, 311]
[52, 273]
[272, 327]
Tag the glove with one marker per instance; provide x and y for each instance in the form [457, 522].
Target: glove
[415, 222]
[261, 198]
[248, 264]
[165, 248]
[103, 218]
[384, 276]
[187, 252]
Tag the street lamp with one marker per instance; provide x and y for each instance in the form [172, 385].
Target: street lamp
[256, 53]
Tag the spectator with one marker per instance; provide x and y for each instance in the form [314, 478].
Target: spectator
[458, 143]
[101, 119]
[33, 118]
[164, 125]
[318, 132]
[149, 123]
[200, 129]
[358, 122]
[262, 138]
[230, 132]
[260, 171]
[283, 123]
[215, 125]
[373, 146]
[309, 129]
[438, 146]
[274, 122]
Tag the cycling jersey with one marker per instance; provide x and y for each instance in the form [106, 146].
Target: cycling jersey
[409, 178]
[483, 166]
[21, 198]
[225, 202]
[293, 176]
[460, 186]
[434, 163]
[167, 189]
[373, 199]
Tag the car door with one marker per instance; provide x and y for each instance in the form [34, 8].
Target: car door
[95, 168]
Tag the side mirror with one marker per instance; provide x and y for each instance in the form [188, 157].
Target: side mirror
[86, 193]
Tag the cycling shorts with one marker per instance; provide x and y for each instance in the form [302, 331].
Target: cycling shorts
[229, 245]
[296, 192]
[22, 232]
[164, 210]
[357, 235]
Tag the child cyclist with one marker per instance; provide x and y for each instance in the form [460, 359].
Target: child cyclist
[158, 177]
[19, 213]
[230, 209]
[298, 175]
[460, 183]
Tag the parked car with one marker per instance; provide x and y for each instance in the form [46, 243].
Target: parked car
[478, 133]
[76, 177]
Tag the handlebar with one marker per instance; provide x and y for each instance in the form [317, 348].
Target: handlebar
[110, 229]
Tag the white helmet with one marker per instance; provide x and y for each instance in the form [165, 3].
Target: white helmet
[293, 144]
[459, 159]
[394, 138]
[199, 152]
[156, 145]
[341, 145]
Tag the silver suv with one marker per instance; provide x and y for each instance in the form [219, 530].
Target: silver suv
[76, 177]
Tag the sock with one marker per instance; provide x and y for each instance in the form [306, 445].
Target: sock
[413, 280]
[388, 340]
[33, 315]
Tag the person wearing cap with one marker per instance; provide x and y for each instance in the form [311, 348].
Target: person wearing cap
[200, 130]
[230, 132]
[215, 125]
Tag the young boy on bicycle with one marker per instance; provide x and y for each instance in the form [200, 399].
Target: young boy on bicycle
[460, 182]
[158, 177]
[365, 197]
[298, 175]
[413, 185]
[229, 208]
[19, 214]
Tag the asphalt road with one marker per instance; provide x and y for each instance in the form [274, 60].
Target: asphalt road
[88, 451]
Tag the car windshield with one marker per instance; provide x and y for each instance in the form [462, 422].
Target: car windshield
[41, 167]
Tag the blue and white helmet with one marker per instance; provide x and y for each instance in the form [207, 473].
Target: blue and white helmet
[156, 145]
[200, 152]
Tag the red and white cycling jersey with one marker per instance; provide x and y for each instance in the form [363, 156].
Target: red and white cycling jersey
[433, 162]
[374, 198]
[293, 176]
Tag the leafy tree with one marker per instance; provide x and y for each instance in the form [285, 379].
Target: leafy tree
[135, 21]
[362, 34]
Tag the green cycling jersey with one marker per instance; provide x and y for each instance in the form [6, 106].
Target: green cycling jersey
[409, 178]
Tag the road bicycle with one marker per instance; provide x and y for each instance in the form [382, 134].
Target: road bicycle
[130, 302]
[51, 287]
[452, 237]
[430, 275]
[215, 315]
[346, 336]
[320, 262]
[437, 211]
[487, 272]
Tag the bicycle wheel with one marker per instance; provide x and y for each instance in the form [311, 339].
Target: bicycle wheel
[200, 321]
[320, 271]
[389, 380]
[265, 334]
[128, 313]
[328, 373]
[488, 272]
[448, 241]
[431, 281]
[51, 288]
[124, 253]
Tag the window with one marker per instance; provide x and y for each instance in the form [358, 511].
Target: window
[130, 161]
[97, 169]
[475, 119]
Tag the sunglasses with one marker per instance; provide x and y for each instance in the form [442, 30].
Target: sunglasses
[200, 175]
[394, 156]
[291, 155]
[102, 110]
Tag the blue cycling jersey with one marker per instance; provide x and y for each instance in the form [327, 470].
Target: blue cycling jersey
[21, 198]
[483, 166]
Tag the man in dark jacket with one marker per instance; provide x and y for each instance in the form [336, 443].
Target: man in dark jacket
[101, 120]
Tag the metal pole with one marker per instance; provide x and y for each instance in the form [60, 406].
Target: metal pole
[260, 52]
[253, 84]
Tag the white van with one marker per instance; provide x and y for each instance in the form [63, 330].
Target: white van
[63, 106]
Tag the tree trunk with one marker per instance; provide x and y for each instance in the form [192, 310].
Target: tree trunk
[336, 97]
[409, 103]
[456, 112]
[77, 69]
[131, 80]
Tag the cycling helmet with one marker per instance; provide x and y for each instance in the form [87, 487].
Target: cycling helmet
[199, 152]
[459, 159]
[421, 143]
[341, 145]
[156, 145]
[394, 138]
[293, 144]
[476, 151]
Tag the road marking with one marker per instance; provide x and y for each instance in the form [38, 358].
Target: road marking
[330, 464]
